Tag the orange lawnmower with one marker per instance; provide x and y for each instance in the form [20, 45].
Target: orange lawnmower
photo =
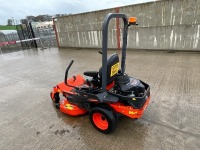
[106, 94]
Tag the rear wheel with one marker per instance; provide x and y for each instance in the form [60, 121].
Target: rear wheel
[102, 119]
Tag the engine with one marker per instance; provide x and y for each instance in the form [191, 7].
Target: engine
[129, 86]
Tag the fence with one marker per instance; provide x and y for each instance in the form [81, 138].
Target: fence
[47, 39]
[7, 38]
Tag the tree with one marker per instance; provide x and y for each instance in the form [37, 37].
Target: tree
[9, 22]
[23, 21]
[40, 18]
[30, 18]
[57, 15]
[48, 18]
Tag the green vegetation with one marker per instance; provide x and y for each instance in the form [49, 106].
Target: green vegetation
[7, 27]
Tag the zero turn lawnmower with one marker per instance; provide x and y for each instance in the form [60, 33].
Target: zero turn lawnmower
[107, 93]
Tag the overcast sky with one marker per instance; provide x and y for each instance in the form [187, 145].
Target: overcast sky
[19, 9]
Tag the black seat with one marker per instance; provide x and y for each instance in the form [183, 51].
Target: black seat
[93, 74]
[112, 69]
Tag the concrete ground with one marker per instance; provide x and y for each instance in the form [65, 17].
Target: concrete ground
[28, 120]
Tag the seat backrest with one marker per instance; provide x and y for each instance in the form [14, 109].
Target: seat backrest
[112, 68]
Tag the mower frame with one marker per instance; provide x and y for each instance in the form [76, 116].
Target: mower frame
[104, 105]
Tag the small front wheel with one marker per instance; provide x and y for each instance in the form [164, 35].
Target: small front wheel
[55, 97]
[102, 119]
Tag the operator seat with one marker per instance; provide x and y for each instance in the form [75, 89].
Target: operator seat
[112, 70]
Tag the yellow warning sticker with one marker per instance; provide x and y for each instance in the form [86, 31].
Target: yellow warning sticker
[114, 69]
[134, 99]
[70, 107]
[132, 113]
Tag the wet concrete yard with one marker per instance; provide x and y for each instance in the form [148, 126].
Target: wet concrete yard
[28, 120]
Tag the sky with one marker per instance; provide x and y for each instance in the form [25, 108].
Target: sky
[19, 9]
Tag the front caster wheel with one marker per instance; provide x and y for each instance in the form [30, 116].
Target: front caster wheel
[55, 97]
[102, 119]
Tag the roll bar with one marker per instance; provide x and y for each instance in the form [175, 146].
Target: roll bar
[105, 44]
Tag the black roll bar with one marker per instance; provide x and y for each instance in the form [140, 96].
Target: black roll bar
[105, 45]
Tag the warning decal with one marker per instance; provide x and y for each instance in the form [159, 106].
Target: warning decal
[114, 69]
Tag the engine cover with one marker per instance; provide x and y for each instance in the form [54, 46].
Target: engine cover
[131, 86]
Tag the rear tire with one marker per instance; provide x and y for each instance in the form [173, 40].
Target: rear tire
[103, 120]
